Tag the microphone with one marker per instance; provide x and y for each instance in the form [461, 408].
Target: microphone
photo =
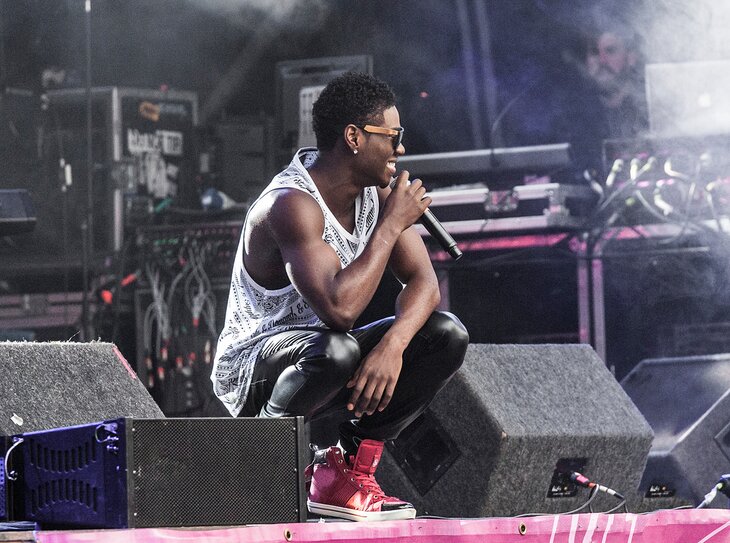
[437, 231]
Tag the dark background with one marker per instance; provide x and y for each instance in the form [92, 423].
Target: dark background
[226, 51]
[420, 48]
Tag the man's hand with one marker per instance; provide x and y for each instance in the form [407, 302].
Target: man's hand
[374, 381]
[406, 202]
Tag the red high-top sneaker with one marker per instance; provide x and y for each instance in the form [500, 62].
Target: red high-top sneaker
[349, 490]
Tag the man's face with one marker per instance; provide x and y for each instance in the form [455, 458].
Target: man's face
[380, 152]
[610, 60]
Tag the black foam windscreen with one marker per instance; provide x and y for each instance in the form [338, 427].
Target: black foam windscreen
[503, 435]
[686, 401]
[57, 384]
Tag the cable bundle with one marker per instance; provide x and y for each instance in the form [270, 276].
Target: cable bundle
[179, 327]
[657, 187]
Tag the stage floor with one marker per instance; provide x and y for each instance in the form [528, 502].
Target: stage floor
[675, 526]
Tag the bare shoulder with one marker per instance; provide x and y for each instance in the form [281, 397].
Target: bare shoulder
[280, 218]
[289, 214]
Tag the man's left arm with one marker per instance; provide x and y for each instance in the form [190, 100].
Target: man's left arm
[374, 381]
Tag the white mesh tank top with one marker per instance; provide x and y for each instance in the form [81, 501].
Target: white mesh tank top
[255, 313]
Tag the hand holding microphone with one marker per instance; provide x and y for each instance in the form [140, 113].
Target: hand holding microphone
[432, 225]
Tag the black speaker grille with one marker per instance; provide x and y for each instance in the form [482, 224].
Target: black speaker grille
[204, 472]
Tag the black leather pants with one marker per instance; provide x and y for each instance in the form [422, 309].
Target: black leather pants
[304, 373]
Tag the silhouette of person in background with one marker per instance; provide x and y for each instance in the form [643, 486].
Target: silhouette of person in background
[583, 91]
[613, 64]
[608, 100]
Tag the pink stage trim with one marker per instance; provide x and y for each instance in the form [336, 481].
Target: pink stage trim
[682, 526]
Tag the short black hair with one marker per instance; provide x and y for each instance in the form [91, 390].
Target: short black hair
[354, 97]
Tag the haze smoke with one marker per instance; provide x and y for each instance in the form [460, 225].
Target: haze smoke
[288, 13]
[676, 31]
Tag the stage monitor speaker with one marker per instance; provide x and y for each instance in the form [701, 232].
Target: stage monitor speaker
[504, 434]
[687, 403]
[135, 473]
[56, 384]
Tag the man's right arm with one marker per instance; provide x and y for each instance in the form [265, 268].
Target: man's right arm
[337, 295]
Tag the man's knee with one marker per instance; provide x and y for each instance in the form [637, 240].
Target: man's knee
[450, 335]
[341, 354]
[445, 324]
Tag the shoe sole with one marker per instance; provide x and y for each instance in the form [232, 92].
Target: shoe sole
[359, 516]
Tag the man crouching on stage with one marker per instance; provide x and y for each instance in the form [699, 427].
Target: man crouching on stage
[313, 249]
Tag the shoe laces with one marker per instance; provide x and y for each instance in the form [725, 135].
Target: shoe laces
[366, 481]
